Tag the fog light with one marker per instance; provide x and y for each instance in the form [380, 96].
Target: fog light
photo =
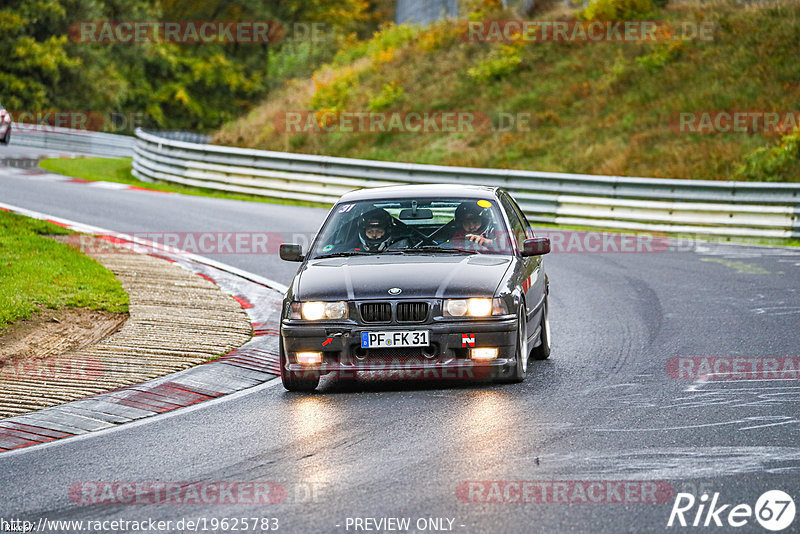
[309, 358]
[483, 354]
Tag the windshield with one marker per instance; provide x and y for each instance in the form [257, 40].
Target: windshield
[413, 226]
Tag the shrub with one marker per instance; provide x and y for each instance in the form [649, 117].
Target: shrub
[389, 37]
[296, 60]
[619, 9]
[333, 94]
[498, 64]
[439, 35]
[773, 164]
[390, 94]
[480, 9]
[662, 55]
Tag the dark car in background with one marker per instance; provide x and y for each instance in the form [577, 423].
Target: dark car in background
[5, 126]
[443, 280]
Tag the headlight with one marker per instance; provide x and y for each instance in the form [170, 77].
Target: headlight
[316, 311]
[476, 307]
[455, 308]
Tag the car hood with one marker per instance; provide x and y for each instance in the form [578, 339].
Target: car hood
[423, 276]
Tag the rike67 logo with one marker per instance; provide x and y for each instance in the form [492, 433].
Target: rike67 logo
[774, 510]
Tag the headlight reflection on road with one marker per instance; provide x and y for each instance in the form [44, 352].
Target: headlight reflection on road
[308, 416]
[488, 423]
[486, 413]
[311, 422]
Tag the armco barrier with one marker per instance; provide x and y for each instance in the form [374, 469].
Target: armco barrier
[719, 208]
[69, 140]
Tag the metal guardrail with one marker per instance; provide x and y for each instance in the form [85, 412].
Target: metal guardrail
[70, 140]
[706, 207]
[177, 135]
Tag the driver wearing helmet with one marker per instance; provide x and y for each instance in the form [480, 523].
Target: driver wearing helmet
[472, 224]
[375, 230]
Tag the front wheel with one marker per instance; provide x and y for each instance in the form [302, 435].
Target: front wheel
[542, 352]
[520, 369]
[304, 381]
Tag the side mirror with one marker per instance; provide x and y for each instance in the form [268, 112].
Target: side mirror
[291, 252]
[536, 246]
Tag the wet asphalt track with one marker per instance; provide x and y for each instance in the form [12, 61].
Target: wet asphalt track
[603, 408]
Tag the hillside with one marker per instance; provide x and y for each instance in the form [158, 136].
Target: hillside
[594, 107]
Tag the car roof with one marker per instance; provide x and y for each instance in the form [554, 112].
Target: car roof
[421, 191]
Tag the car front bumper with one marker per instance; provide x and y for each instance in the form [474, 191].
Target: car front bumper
[447, 355]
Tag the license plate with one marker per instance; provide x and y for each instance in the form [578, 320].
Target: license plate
[394, 338]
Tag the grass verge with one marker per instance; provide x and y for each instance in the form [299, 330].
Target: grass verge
[118, 170]
[36, 271]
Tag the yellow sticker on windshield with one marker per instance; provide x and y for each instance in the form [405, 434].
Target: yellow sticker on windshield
[484, 204]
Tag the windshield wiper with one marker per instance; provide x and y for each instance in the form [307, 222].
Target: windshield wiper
[431, 248]
[343, 254]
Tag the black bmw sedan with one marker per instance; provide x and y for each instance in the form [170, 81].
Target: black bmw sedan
[418, 281]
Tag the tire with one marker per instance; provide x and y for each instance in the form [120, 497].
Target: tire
[542, 352]
[520, 369]
[305, 382]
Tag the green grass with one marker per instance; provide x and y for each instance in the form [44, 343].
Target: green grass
[38, 271]
[93, 169]
[119, 170]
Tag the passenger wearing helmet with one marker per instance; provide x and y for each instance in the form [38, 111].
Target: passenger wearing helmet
[472, 225]
[375, 230]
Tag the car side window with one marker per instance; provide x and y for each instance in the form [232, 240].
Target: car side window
[518, 227]
[521, 215]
